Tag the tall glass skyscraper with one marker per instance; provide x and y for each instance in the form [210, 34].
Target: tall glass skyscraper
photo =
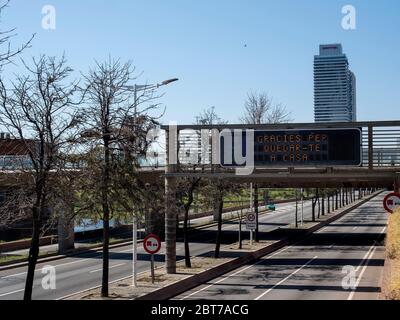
[334, 86]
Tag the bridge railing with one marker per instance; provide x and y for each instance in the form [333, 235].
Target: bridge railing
[385, 146]
[380, 143]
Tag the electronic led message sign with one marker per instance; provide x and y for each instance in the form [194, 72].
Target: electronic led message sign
[328, 147]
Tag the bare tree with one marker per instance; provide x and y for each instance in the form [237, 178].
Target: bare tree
[209, 116]
[113, 131]
[38, 110]
[7, 52]
[260, 109]
[214, 190]
[185, 198]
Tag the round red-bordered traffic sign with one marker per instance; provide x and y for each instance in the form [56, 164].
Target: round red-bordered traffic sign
[152, 244]
[391, 202]
[251, 217]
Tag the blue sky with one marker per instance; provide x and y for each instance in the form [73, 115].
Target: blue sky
[203, 44]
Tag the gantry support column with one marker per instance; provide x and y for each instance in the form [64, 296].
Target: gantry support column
[66, 234]
[171, 137]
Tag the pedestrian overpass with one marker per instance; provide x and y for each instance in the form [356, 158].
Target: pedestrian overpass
[379, 155]
[195, 151]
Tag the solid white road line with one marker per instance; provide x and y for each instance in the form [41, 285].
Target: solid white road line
[37, 270]
[248, 267]
[364, 262]
[239, 271]
[283, 280]
[98, 286]
[12, 292]
[111, 267]
[64, 264]
[372, 247]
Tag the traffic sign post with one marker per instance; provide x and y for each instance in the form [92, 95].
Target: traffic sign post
[134, 251]
[251, 224]
[391, 202]
[251, 221]
[152, 244]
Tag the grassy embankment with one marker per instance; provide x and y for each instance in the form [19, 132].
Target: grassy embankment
[8, 258]
[393, 255]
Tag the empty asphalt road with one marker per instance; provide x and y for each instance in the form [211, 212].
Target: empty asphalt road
[83, 271]
[343, 261]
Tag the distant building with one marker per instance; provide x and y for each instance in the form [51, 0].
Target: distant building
[334, 86]
[14, 153]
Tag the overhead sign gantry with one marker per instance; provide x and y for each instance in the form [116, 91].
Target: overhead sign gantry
[318, 147]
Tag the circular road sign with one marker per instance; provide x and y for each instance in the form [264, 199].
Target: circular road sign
[391, 202]
[251, 217]
[152, 244]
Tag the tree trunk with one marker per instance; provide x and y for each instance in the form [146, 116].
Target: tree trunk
[33, 254]
[186, 239]
[106, 219]
[240, 232]
[323, 204]
[256, 237]
[106, 242]
[329, 203]
[66, 235]
[187, 207]
[319, 204]
[296, 211]
[219, 231]
[336, 200]
[313, 204]
[342, 197]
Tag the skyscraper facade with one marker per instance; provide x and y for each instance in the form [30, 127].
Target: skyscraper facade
[334, 86]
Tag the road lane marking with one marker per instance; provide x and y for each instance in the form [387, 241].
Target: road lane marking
[99, 254]
[12, 292]
[98, 286]
[280, 251]
[283, 280]
[111, 267]
[366, 258]
[371, 248]
[351, 295]
[14, 275]
[66, 263]
[239, 271]
[37, 270]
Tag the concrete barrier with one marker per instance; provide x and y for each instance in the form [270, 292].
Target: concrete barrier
[24, 244]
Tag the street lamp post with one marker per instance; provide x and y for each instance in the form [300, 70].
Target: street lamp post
[135, 88]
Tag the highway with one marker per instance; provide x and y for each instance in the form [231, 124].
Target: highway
[83, 271]
[342, 261]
